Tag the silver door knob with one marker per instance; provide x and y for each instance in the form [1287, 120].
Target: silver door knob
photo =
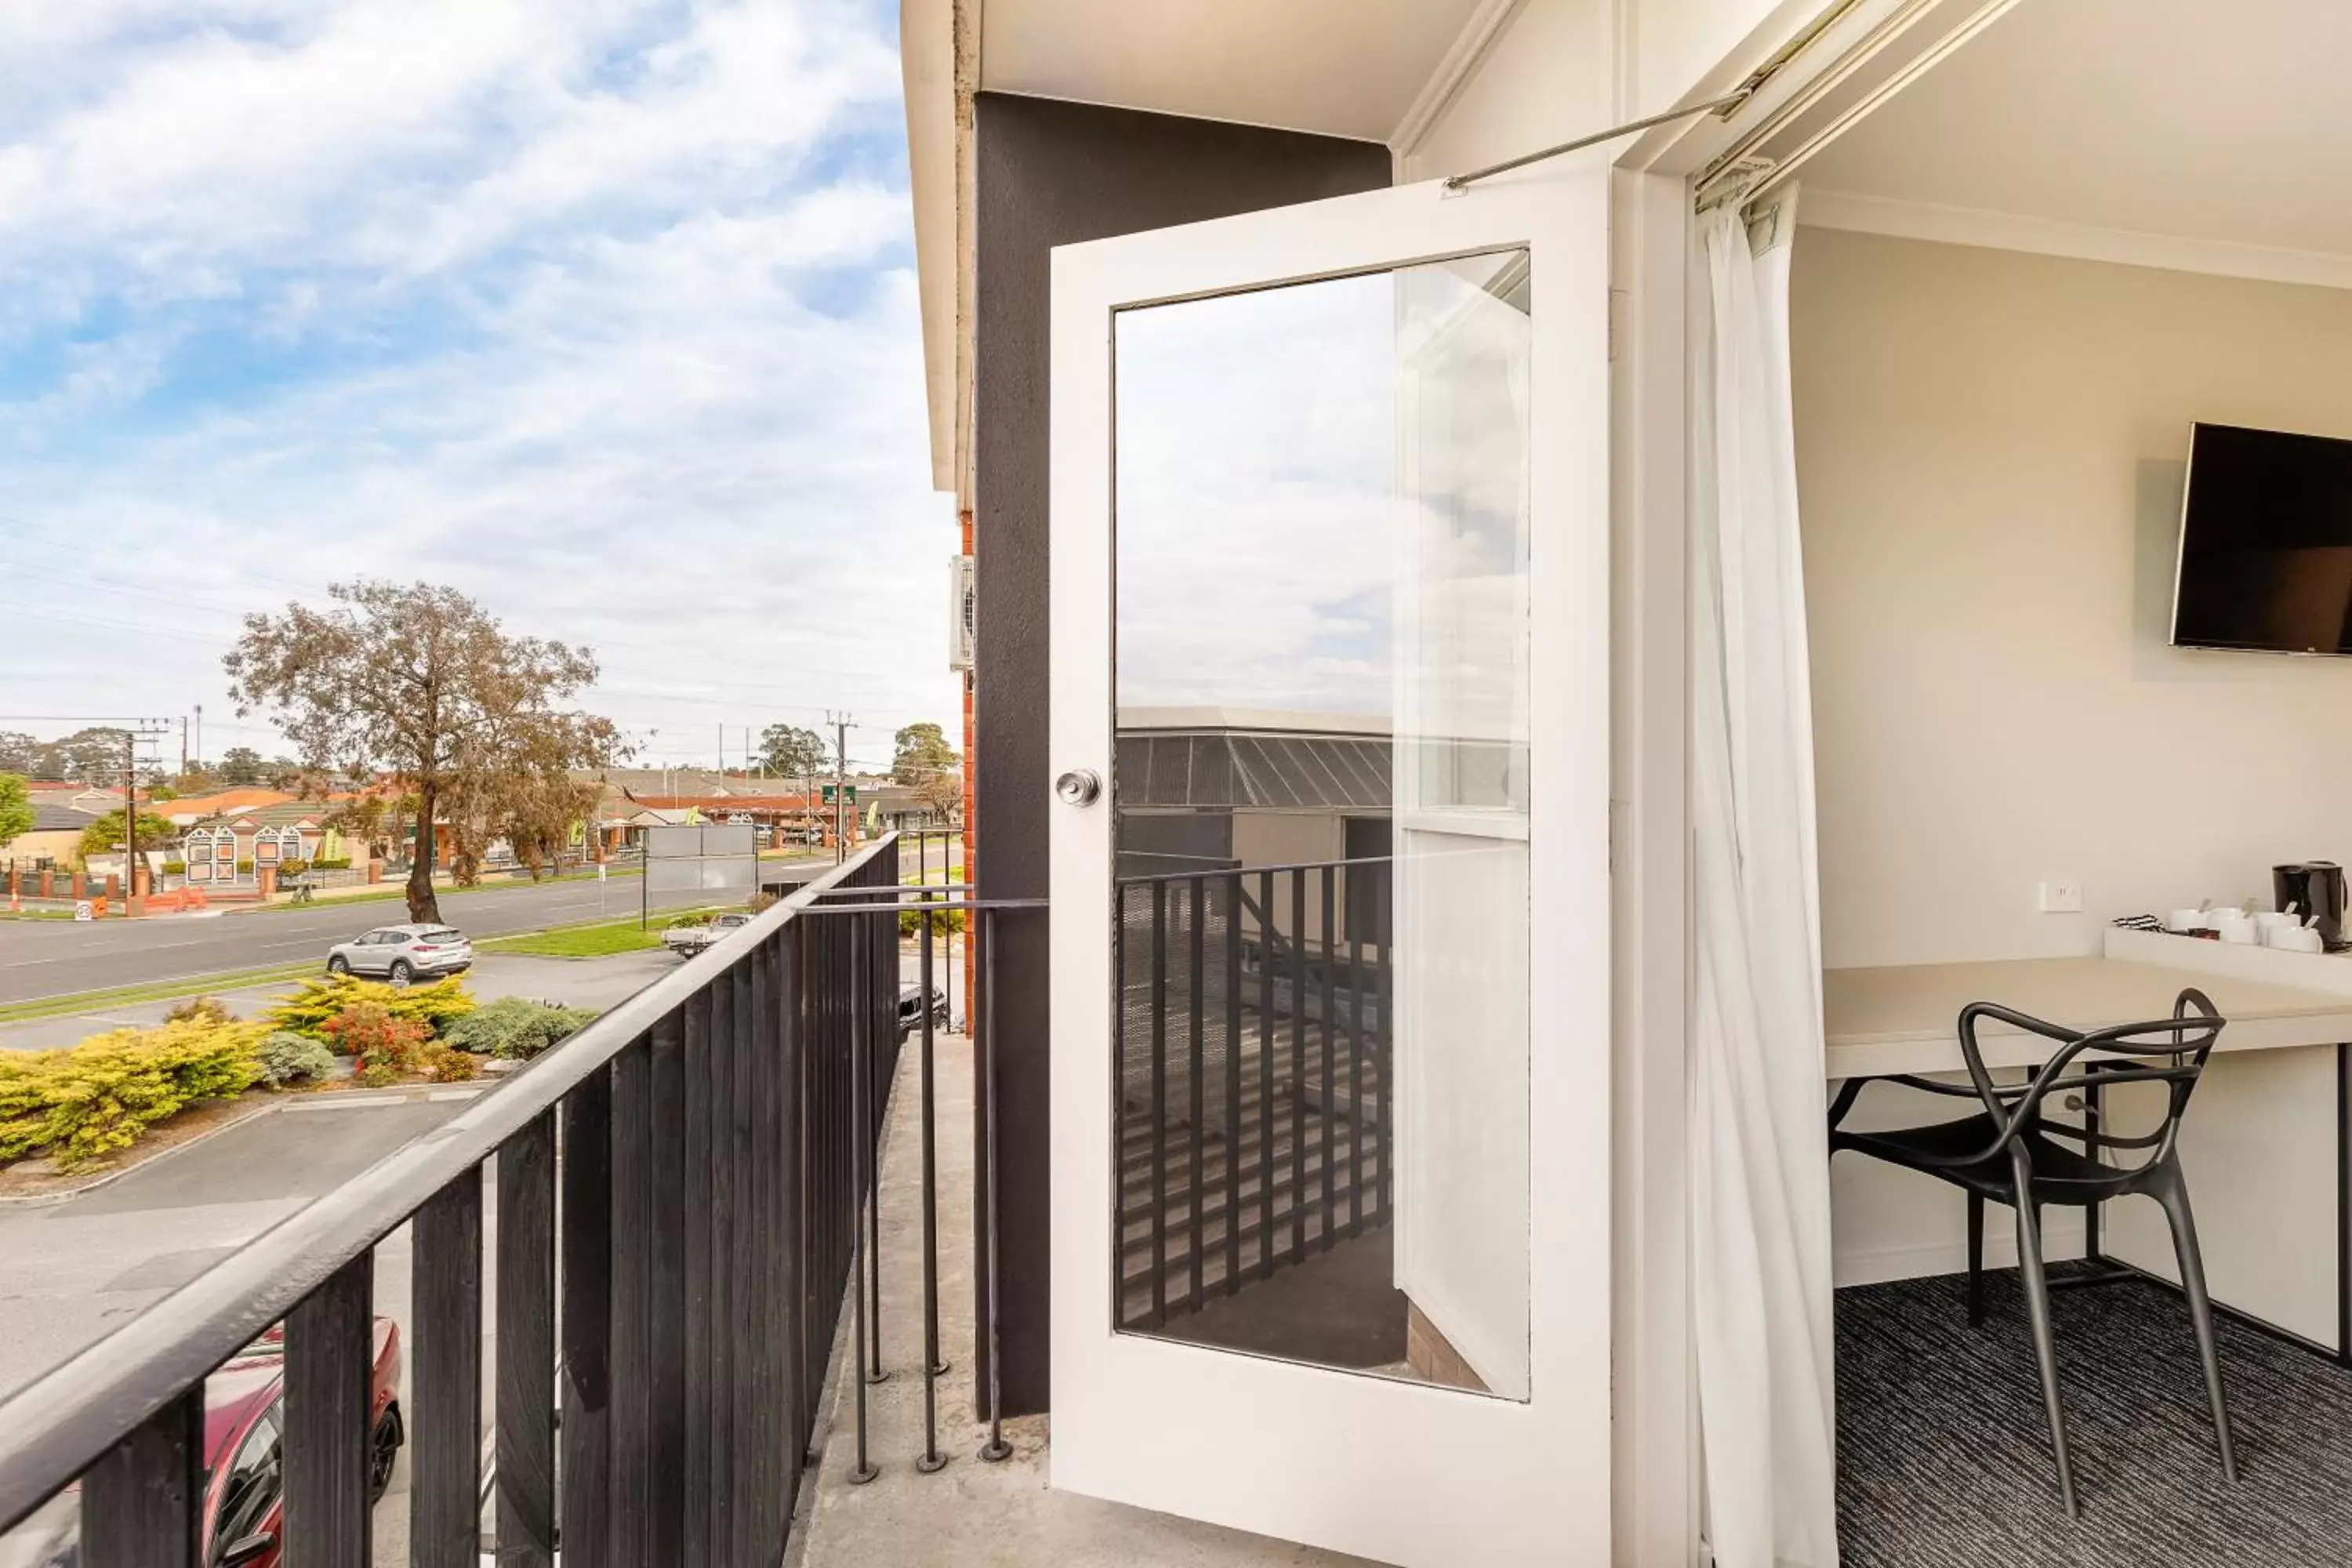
[1079, 786]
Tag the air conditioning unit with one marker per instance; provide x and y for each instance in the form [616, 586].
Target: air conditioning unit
[961, 621]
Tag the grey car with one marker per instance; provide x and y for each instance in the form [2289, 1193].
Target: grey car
[403, 953]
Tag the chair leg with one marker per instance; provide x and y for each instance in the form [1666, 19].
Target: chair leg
[2045, 1348]
[1975, 1259]
[2173, 1195]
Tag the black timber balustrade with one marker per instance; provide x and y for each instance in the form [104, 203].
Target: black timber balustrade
[1256, 1101]
[682, 1200]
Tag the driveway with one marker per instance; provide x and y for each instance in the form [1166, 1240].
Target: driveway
[78, 1270]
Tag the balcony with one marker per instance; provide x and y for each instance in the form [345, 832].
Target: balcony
[649, 1315]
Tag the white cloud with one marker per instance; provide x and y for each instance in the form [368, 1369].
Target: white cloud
[598, 311]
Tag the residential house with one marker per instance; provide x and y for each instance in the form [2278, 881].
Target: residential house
[55, 836]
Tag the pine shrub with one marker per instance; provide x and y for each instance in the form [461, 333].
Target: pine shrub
[81, 1104]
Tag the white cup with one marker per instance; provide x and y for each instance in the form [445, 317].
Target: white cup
[2269, 920]
[2236, 926]
[2298, 939]
[2186, 921]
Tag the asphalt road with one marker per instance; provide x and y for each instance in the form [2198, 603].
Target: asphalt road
[55, 958]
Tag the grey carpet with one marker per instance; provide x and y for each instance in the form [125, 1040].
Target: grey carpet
[1944, 1453]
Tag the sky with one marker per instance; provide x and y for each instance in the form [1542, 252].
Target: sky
[603, 312]
[1321, 499]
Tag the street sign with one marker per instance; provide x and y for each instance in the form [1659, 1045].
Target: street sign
[850, 794]
[82, 912]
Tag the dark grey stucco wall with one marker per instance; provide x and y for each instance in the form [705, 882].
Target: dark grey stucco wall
[1049, 174]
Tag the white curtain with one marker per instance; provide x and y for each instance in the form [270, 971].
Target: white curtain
[1761, 1222]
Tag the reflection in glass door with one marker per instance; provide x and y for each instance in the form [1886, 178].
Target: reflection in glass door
[1322, 822]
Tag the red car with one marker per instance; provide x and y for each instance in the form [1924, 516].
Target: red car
[245, 1455]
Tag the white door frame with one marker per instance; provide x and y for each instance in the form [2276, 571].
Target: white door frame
[1396, 1471]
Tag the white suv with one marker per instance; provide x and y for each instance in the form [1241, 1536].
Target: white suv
[403, 953]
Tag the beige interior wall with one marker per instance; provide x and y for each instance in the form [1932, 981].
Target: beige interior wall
[1991, 449]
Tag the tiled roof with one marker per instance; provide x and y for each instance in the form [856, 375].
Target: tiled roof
[56, 817]
[195, 809]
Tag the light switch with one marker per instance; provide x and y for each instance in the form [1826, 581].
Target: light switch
[2061, 896]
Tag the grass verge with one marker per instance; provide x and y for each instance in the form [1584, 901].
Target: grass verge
[398, 892]
[592, 939]
[152, 991]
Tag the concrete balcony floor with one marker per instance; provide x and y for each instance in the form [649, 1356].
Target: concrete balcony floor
[1002, 1515]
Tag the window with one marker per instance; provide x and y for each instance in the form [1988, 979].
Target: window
[256, 1479]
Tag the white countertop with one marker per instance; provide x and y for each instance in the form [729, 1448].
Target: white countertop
[1905, 1017]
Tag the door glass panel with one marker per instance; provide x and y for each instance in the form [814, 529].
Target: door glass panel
[1321, 795]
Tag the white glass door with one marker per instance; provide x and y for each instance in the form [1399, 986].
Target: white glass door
[1331, 1117]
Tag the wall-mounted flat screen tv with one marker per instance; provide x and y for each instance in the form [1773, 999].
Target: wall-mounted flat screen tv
[2265, 542]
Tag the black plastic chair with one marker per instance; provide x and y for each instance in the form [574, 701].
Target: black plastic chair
[2010, 1153]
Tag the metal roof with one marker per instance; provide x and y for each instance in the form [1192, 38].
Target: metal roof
[1254, 770]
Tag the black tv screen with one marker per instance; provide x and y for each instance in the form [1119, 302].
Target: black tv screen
[2265, 542]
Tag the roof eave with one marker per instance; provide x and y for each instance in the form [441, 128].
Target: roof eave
[939, 63]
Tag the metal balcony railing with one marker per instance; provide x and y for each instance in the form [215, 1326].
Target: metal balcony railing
[679, 1195]
[1255, 1094]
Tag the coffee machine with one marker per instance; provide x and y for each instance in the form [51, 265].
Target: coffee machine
[2314, 888]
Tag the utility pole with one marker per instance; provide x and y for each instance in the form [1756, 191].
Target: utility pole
[200, 731]
[840, 722]
[130, 818]
[183, 745]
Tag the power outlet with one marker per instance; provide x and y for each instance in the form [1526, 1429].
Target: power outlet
[2061, 896]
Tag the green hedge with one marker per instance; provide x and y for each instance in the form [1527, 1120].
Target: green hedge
[515, 1027]
[81, 1104]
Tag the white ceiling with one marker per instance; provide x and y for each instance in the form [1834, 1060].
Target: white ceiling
[2221, 121]
[1344, 68]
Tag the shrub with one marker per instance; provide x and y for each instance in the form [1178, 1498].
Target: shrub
[446, 1064]
[516, 1027]
[292, 867]
[244, 868]
[81, 1104]
[204, 1009]
[386, 1046]
[175, 868]
[686, 923]
[288, 1058]
[306, 1012]
[911, 922]
[331, 863]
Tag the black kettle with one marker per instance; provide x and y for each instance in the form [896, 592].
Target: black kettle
[2314, 888]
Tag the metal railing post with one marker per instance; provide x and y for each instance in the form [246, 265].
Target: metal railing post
[996, 1448]
[931, 1459]
[861, 1121]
